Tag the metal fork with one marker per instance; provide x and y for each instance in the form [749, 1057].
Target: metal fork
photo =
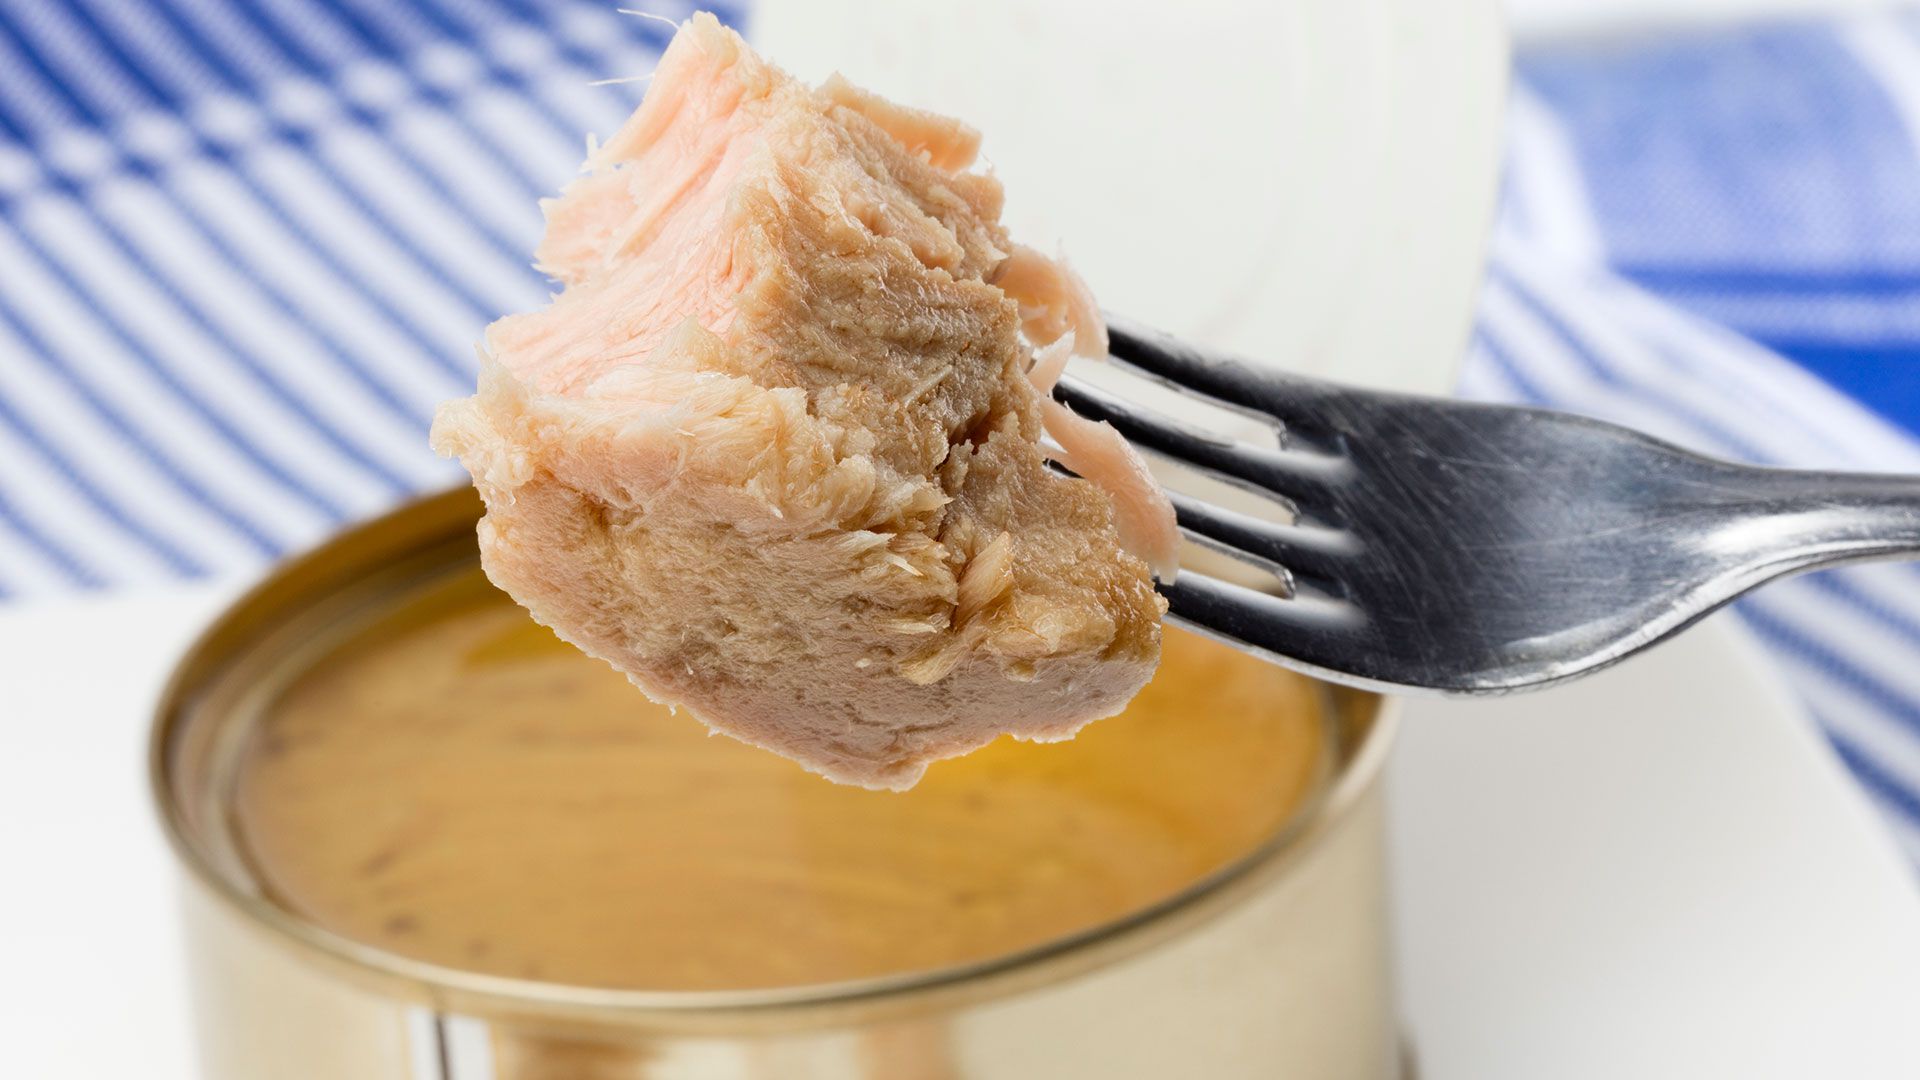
[1471, 548]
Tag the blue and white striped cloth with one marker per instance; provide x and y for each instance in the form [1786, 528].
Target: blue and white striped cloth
[1716, 239]
[247, 245]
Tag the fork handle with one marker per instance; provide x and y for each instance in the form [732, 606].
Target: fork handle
[1799, 520]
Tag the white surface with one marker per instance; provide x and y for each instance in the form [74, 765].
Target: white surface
[1660, 872]
[1543, 18]
[91, 984]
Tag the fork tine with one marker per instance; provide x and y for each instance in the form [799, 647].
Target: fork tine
[1313, 553]
[1302, 477]
[1226, 380]
[1169, 360]
[1297, 632]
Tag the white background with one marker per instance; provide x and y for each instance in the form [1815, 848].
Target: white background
[1536, 18]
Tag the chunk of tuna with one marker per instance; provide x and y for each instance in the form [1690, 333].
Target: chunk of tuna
[773, 451]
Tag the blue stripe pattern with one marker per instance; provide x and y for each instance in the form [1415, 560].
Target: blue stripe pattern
[250, 246]
[1715, 237]
[251, 242]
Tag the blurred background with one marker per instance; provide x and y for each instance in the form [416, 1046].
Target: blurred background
[1536, 19]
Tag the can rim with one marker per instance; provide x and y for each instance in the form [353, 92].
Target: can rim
[1047, 962]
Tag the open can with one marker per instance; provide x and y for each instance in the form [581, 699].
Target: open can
[1276, 965]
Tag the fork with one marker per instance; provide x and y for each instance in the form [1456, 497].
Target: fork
[1470, 548]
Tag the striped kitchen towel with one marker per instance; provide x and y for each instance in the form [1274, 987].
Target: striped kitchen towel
[1716, 239]
[248, 244]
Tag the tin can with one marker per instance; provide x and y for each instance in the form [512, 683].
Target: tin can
[1277, 965]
